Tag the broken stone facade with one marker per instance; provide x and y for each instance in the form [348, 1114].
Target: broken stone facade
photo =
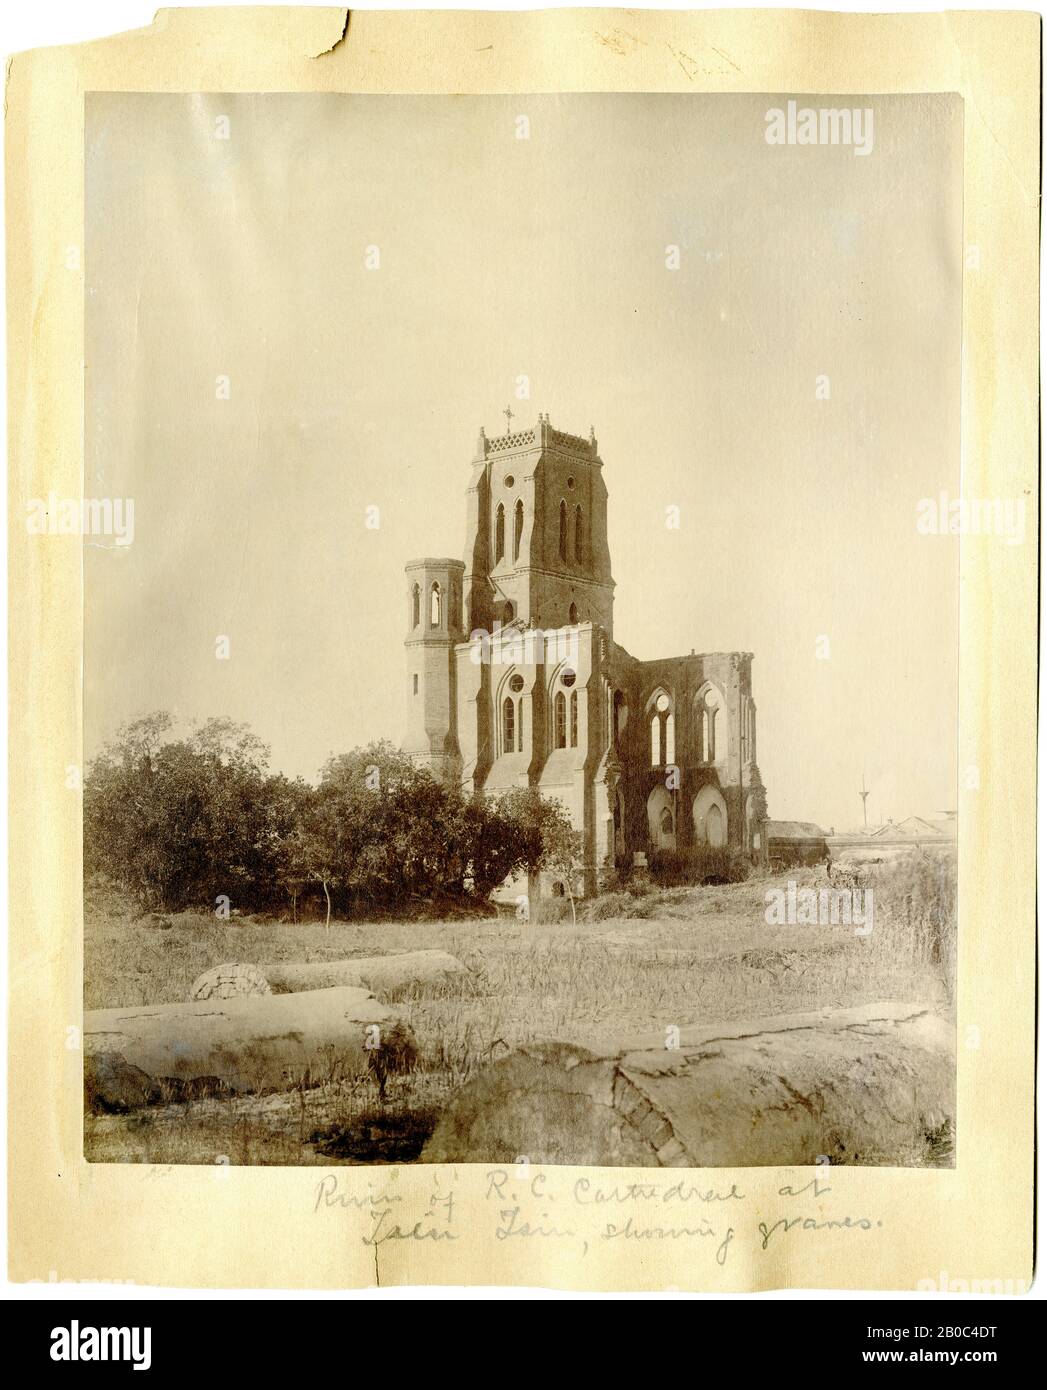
[514, 677]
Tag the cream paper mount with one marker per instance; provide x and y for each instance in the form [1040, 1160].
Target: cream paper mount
[516, 1221]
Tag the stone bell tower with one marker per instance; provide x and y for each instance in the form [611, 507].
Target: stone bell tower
[536, 531]
[434, 626]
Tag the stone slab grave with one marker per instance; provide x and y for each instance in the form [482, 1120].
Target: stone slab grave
[848, 1085]
[244, 1043]
[397, 971]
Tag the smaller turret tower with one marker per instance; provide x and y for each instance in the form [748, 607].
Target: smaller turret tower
[434, 626]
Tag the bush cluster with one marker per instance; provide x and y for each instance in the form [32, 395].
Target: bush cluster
[183, 822]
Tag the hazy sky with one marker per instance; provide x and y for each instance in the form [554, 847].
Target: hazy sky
[546, 258]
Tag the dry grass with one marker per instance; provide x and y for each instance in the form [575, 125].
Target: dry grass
[692, 956]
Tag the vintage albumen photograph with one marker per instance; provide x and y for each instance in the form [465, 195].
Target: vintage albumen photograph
[521, 567]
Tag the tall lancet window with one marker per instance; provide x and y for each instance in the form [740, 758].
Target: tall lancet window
[579, 534]
[416, 606]
[663, 732]
[517, 530]
[499, 534]
[560, 711]
[710, 720]
[435, 604]
[513, 716]
[563, 530]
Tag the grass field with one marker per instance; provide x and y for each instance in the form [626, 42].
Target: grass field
[674, 957]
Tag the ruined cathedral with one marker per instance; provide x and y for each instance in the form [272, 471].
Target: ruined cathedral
[514, 678]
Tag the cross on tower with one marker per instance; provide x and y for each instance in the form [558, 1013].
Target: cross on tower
[507, 412]
[864, 796]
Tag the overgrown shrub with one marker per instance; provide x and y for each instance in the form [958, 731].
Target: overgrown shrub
[551, 910]
[916, 902]
[696, 865]
[638, 903]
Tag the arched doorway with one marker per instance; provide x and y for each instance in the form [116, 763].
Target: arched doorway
[661, 819]
[709, 813]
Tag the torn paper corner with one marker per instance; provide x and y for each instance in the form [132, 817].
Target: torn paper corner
[314, 30]
[336, 22]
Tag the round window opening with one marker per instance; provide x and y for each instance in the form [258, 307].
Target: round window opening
[509, 480]
[568, 678]
[662, 704]
[516, 684]
[570, 482]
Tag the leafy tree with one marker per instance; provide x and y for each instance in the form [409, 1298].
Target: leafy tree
[284, 847]
[562, 850]
[318, 838]
[231, 744]
[506, 837]
[374, 801]
[178, 821]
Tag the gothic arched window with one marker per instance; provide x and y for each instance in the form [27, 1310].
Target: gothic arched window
[435, 604]
[560, 713]
[508, 726]
[499, 534]
[416, 606]
[574, 718]
[572, 616]
[710, 709]
[579, 535]
[663, 732]
[563, 530]
[517, 530]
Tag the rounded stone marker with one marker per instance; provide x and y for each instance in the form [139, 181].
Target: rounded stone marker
[228, 981]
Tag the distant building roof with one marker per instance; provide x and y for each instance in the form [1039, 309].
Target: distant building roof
[916, 828]
[794, 830]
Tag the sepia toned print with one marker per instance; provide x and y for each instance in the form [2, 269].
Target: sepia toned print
[624, 833]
